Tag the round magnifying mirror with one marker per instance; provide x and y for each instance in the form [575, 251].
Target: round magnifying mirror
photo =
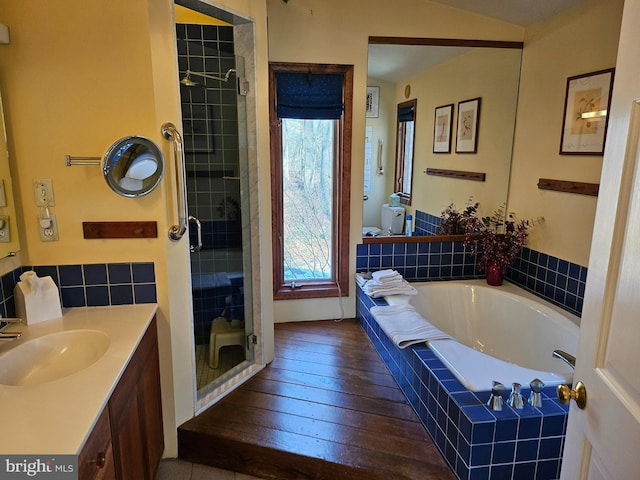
[133, 166]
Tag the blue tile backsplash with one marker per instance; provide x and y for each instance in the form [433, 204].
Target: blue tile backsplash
[89, 285]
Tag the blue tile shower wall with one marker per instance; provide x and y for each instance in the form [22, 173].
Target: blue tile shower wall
[476, 442]
[557, 281]
[89, 285]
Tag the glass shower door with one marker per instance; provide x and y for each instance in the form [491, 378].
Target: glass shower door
[216, 161]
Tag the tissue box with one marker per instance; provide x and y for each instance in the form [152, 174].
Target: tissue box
[37, 299]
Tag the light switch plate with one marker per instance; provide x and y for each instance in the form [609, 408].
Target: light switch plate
[5, 233]
[43, 191]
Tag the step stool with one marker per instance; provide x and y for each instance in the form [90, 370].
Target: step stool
[222, 335]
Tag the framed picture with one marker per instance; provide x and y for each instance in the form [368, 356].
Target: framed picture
[468, 119]
[442, 129]
[586, 104]
[373, 100]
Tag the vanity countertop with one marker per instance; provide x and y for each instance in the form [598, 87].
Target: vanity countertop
[56, 417]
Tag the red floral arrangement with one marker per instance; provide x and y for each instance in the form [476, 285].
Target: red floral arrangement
[498, 238]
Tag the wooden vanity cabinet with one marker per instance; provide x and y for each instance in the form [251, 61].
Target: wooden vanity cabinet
[135, 417]
[95, 461]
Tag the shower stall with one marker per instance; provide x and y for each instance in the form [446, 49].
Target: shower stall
[216, 166]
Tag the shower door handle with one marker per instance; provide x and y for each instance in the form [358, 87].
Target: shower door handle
[170, 132]
[198, 246]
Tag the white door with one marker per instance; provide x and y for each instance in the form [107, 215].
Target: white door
[603, 440]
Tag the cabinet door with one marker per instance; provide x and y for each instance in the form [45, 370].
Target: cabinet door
[95, 461]
[136, 413]
[128, 442]
[151, 403]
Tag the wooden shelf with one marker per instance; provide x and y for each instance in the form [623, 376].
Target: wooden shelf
[475, 176]
[581, 188]
[92, 230]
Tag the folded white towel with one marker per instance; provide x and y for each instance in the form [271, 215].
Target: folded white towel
[386, 275]
[362, 278]
[405, 326]
[377, 290]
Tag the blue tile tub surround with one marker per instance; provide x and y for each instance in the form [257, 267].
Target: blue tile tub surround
[476, 442]
[426, 224]
[89, 285]
[557, 281]
[419, 261]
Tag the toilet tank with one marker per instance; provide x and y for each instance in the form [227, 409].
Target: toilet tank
[392, 218]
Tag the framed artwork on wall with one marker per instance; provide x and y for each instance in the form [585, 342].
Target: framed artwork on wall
[468, 120]
[442, 129]
[586, 106]
[373, 101]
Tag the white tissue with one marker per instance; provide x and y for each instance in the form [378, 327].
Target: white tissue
[37, 298]
[32, 280]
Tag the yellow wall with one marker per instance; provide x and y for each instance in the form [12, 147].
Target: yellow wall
[337, 31]
[492, 75]
[580, 41]
[383, 129]
[77, 79]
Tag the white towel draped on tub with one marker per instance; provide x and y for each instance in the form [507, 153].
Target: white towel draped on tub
[405, 326]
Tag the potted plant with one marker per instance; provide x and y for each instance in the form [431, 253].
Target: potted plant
[498, 241]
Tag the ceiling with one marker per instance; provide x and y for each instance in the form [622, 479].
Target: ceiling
[520, 12]
[395, 62]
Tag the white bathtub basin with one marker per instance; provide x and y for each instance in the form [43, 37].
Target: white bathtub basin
[501, 333]
[52, 357]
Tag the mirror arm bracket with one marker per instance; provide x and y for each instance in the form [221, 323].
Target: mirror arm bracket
[70, 161]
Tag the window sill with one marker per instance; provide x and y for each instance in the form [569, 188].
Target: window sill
[310, 290]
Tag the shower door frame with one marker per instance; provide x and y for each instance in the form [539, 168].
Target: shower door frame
[244, 34]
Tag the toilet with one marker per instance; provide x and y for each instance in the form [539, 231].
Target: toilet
[391, 219]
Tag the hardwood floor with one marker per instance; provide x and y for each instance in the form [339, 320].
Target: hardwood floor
[325, 408]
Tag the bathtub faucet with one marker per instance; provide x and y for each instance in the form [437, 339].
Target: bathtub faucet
[565, 357]
[495, 400]
[515, 400]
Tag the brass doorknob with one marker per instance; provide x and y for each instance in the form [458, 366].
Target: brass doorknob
[565, 394]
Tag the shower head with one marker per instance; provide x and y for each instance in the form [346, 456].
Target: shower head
[187, 82]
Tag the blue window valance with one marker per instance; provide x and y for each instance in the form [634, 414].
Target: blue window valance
[316, 96]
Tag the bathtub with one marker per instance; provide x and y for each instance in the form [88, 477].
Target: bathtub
[501, 333]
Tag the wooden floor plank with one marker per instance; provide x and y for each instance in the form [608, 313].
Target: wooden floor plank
[366, 421]
[326, 408]
[334, 384]
[346, 373]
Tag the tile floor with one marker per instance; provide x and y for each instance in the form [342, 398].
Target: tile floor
[174, 469]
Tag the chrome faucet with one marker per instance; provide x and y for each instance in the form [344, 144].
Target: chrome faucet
[9, 335]
[495, 400]
[535, 398]
[515, 400]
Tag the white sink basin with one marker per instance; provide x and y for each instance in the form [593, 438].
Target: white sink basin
[52, 357]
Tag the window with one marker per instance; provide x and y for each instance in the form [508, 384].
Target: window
[405, 137]
[310, 165]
